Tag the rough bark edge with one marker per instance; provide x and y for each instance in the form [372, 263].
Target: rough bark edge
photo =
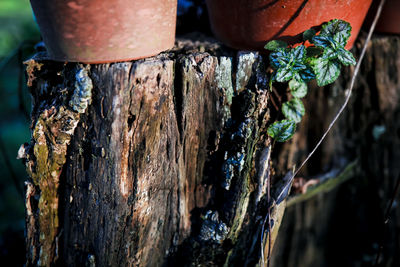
[45, 157]
[248, 69]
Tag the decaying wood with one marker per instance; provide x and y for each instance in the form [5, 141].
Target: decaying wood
[159, 168]
[45, 158]
[165, 161]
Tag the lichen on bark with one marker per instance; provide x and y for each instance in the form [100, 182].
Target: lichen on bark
[45, 157]
[165, 158]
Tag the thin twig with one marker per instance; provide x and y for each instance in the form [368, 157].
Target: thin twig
[277, 95]
[269, 236]
[269, 226]
[269, 223]
[269, 215]
[386, 218]
[353, 79]
[392, 200]
[262, 240]
[356, 70]
[274, 104]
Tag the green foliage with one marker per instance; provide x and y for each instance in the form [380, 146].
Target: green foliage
[298, 88]
[337, 26]
[327, 71]
[308, 34]
[298, 65]
[332, 39]
[293, 110]
[282, 130]
[274, 45]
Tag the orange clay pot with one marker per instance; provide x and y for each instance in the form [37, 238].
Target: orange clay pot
[250, 24]
[98, 31]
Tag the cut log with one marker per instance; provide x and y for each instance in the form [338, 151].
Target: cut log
[165, 161]
[135, 163]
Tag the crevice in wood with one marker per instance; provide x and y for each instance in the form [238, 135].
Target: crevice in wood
[178, 96]
[163, 167]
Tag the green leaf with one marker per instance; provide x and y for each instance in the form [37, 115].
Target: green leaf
[282, 130]
[288, 63]
[298, 53]
[298, 88]
[307, 75]
[293, 110]
[271, 80]
[297, 66]
[284, 74]
[285, 60]
[340, 39]
[337, 26]
[322, 41]
[346, 57]
[330, 53]
[308, 34]
[275, 45]
[327, 71]
[278, 58]
[312, 62]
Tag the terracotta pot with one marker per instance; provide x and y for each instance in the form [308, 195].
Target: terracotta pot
[389, 21]
[97, 31]
[250, 24]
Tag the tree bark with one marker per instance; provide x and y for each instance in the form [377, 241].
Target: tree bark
[165, 161]
[128, 161]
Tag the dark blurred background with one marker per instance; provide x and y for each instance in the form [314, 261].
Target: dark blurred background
[18, 35]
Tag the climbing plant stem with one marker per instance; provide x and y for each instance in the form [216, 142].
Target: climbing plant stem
[349, 91]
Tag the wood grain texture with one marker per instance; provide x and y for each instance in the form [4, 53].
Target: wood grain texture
[163, 168]
[160, 163]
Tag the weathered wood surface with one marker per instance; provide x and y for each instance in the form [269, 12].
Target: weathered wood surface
[164, 165]
[157, 169]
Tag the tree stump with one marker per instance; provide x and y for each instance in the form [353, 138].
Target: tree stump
[128, 161]
[165, 161]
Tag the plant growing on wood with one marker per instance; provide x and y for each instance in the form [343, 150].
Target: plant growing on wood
[322, 61]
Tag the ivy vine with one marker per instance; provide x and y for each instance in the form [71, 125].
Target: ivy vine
[321, 61]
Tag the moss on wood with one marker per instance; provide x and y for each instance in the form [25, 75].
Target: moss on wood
[45, 158]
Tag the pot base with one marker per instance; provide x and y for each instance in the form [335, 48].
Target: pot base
[105, 31]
